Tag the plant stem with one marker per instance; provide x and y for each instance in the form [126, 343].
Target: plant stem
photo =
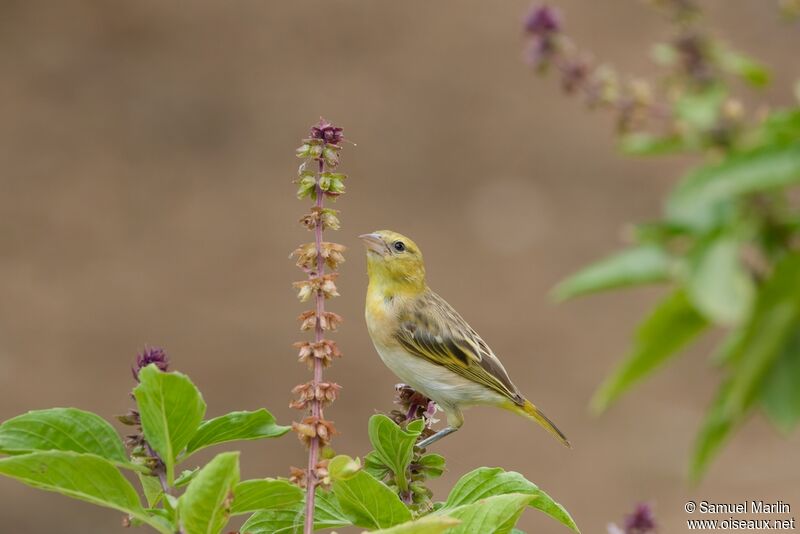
[162, 478]
[316, 405]
[162, 475]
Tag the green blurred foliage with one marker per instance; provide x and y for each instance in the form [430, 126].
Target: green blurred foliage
[728, 244]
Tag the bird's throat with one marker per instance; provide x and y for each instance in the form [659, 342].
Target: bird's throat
[387, 289]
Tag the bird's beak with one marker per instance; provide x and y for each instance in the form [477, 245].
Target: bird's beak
[374, 243]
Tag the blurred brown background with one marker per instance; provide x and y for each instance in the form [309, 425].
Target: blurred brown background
[146, 198]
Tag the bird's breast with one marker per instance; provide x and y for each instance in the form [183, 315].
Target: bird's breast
[381, 318]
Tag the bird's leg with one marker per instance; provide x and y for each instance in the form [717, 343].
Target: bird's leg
[436, 437]
[454, 421]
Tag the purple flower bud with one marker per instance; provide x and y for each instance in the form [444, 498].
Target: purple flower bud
[540, 52]
[430, 410]
[542, 26]
[574, 74]
[327, 132]
[542, 20]
[154, 355]
[641, 521]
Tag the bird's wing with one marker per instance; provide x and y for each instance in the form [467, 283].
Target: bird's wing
[431, 329]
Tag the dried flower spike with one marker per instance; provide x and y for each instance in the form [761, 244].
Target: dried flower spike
[297, 476]
[327, 320]
[317, 181]
[314, 428]
[323, 392]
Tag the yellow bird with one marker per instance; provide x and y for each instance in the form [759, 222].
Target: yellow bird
[427, 344]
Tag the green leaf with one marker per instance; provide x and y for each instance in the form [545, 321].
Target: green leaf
[235, 426]
[62, 429]
[264, 494]
[171, 409]
[718, 283]
[780, 128]
[493, 515]
[186, 476]
[634, 266]
[159, 515]
[745, 67]
[275, 522]
[664, 54]
[171, 504]
[343, 467]
[328, 513]
[780, 394]
[152, 489]
[724, 349]
[81, 476]
[431, 524]
[717, 428]
[645, 144]
[660, 232]
[366, 501]
[755, 358]
[374, 466]
[775, 318]
[671, 325]
[432, 465]
[285, 522]
[486, 482]
[290, 520]
[205, 507]
[700, 110]
[394, 446]
[754, 171]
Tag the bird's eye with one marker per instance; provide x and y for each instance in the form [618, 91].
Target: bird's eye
[399, 246]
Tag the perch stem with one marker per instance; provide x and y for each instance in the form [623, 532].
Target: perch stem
[316, 405]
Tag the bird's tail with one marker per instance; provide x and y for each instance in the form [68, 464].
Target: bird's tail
[532, 412]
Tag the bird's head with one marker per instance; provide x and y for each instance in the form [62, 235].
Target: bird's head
[394, 261]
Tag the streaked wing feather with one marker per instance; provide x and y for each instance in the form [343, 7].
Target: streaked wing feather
[433, 330]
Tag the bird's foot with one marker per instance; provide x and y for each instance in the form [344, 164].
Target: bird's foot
[436, 437]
